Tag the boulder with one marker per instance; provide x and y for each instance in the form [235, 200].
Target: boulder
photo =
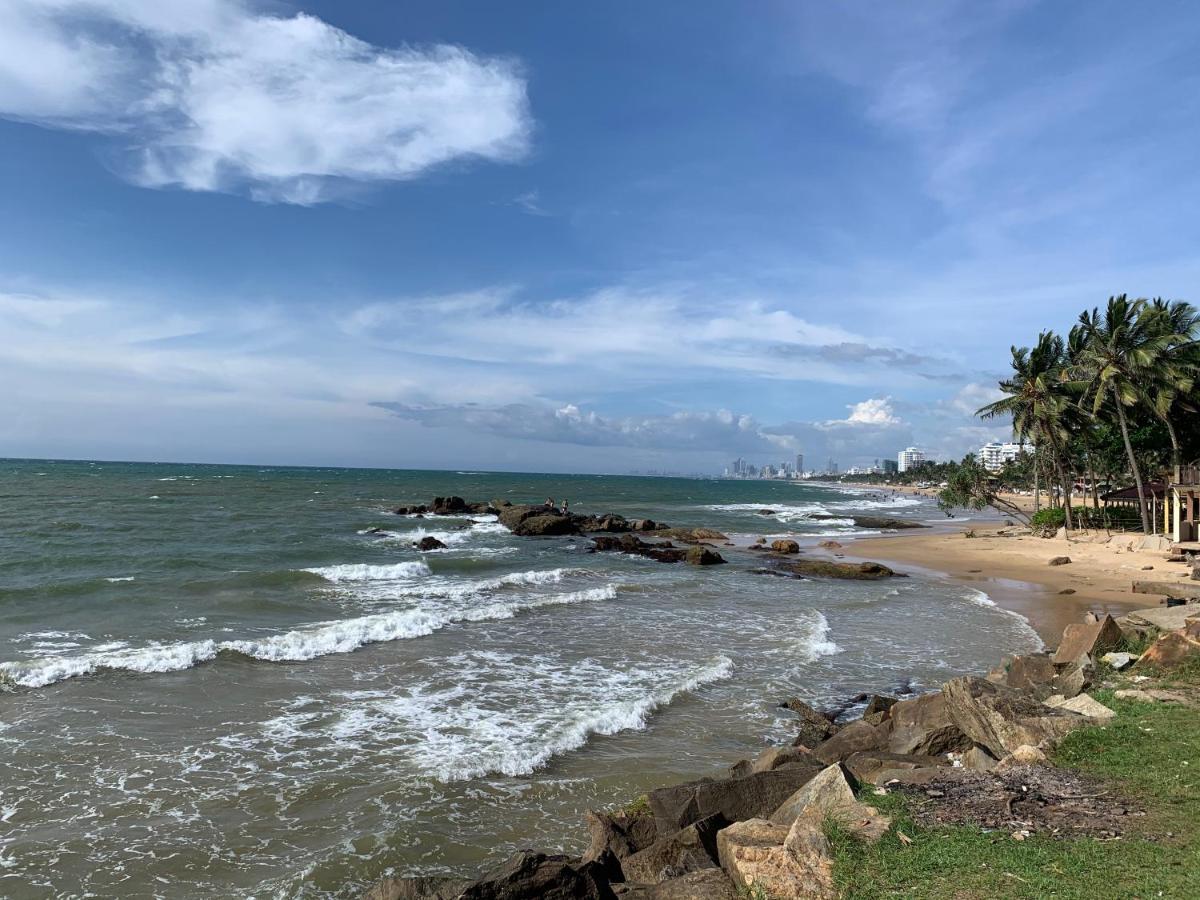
[795, 862]
[1084, 704]
[642, 525]
[611, 523]
[829, 796]
[1088, 639]
[616, 835]
[706, 884]
[1073, 678]
[1000, 719]
[689, 535]
[1119, 661]
[830, 545]
[923, 726]
[878, 709]
[854, 738]
[815, 726]
[420, 888]
[430, 543]
[827, 568]
[703, 556]
[1060, 561]
[1028, 673]
[1024, 755]
[919, 776]
[689, 850]
[865, 766]
[774, 757]
[547, 525]
[513, 515]
[755, 795]
[1172, 648]
[785, 546]
[978, 760]
[448, 506]
[538, 876]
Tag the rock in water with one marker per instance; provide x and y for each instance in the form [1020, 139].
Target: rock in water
[826, 568]
[430, 543]
[703, 556]
[785, 546]
[545, 526]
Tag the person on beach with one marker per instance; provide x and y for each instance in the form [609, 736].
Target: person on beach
[566, 503]
[550, 503]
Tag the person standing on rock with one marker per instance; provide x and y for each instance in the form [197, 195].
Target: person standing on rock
[550, 503]
[566, 503]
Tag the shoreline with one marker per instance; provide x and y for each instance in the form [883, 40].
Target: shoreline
[1013, 568]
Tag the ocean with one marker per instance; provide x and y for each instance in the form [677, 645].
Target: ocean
[245, 681]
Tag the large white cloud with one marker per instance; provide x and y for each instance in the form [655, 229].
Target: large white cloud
[210, 95]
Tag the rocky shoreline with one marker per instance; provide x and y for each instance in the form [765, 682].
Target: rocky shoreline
[975, 752]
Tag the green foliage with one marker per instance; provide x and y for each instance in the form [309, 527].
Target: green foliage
[1142, 751]
[1052, 518]
[637, 808]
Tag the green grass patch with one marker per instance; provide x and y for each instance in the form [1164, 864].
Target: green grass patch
[1149, 752]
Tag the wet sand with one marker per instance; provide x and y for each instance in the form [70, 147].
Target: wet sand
[1013, 568]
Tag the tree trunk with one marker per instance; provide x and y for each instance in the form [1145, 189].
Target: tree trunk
[1137, 473]
[1037, 487]
[1060, 468]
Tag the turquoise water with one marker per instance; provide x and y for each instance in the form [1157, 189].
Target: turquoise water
[221, 682]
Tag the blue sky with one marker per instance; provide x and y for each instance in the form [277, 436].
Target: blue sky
[555, 237]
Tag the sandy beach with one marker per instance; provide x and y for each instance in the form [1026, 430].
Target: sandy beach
[1013, 567]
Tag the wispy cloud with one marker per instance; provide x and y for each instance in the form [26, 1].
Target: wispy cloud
[531, 202]
[208, 95]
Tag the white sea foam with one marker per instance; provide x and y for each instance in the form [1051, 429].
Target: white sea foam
[120, 578]
[365, 572]
[816, 642]
[466, 731]
[310, 642]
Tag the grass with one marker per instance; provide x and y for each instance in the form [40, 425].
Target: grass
[639, 806]
[1150, 751]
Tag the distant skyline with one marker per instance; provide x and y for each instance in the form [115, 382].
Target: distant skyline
[556, 238]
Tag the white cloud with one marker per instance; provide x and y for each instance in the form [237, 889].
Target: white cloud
[877, 411]
[211, 96]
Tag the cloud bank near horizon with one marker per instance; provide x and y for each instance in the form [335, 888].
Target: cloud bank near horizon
[208, 95]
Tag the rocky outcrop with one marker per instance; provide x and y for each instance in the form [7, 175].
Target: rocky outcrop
[874, 522]
[923, 726]
[688, 850]
[428, 543]
[815, 726]
[538, 876]
[785, 546]
[829, 796]
[1173, 648]
[877, 766]
[545, 525]
[795, 862]
[856, 737]
[827, 568]
[631, 543]
[615, 836]
[1000, 719]
[689, 535]
[756, 795]
[1088, 639]
[703, 556]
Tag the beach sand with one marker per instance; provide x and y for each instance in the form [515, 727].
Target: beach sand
[1013, 567]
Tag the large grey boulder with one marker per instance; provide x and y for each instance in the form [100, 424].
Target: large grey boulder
[689, 850]
[538, 876]
[923, 726]
[1000, 719]
[854, 738]
[829, 796]
[545, 526]
[748, 797]
[614, 836]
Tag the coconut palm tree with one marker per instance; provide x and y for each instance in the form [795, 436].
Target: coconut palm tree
[1170, 388]
[1039, 404]
[1120, 354]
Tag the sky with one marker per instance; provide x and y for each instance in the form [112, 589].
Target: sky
[566, 237]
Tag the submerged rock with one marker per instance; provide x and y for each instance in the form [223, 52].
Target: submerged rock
[827, 568]
[430, 543]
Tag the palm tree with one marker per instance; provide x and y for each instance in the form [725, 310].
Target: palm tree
[1038, 403]
[1178, 364]
[1120, 354]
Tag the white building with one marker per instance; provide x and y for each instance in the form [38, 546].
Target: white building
[992, 456]
[909, 458]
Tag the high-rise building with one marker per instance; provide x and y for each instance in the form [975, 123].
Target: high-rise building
[992, 456]
[799, 465]
[909, 458]
[890, 467]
